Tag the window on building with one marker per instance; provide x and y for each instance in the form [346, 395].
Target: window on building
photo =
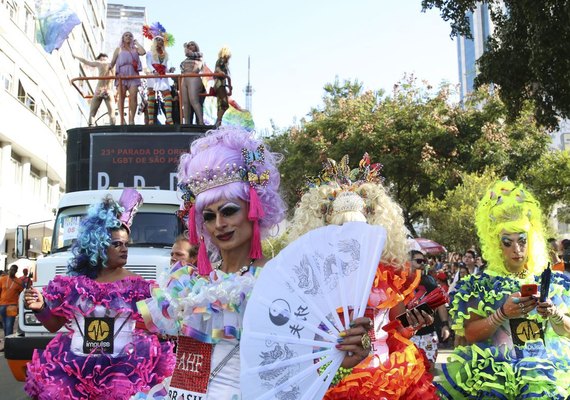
[25, 98]
[6, 72]
[26, 89]
[18, 170]
[12, 8]
[46, 116]
[35, 183]
[30, 24]
[7, 80]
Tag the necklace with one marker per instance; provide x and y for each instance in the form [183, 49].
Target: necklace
[520, 274]
[241, 271]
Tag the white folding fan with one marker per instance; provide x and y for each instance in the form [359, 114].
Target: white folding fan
[295, 312]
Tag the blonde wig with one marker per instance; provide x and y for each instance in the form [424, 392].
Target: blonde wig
[154, 51]
[224, 53]
[369, 202]
[510, 208]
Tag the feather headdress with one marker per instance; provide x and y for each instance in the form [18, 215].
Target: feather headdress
[156, 29]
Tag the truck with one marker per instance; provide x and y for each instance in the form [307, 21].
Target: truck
[101, 161]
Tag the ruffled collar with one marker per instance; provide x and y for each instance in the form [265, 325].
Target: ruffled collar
[68, 291]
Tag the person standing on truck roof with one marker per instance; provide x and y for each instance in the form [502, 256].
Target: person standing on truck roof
[103, 355]
[230, 214]
[103, 90]
[157, 63]
[126, 58]
[192, 86]
[10, 289]
[221, 83]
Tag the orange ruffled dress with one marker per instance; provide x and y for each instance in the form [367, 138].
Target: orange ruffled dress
[396, 369]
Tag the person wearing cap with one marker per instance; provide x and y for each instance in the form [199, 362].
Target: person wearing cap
[103, 355]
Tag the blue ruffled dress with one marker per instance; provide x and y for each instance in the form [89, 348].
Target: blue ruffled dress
[497, 368]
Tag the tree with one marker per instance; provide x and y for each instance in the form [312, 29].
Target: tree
[549, 179]
[424, 142]
[527, 55]
[452, 218]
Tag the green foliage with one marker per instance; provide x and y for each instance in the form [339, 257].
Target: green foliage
[452, 218]
[273, 245]
[549, 180]
[527, 56]
[425, 142]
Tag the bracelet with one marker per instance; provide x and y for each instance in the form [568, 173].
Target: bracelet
[497, 318]
[557, 318]
[445, 323]
[340, 375]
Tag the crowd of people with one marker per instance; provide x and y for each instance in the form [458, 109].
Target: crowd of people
[509, 343]
[159, 93]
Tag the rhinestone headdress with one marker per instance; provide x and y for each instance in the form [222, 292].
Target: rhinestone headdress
[346, 199]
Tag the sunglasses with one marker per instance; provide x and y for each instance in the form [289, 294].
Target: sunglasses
[118, 243]
[420, 260]
[508, 242]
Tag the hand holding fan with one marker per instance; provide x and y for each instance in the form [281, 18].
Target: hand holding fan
[292, 321]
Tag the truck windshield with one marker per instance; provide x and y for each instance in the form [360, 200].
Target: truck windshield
[150, 229]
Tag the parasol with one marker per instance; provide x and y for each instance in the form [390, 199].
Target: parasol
[428, 246]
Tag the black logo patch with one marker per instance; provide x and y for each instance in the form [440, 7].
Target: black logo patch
[99, 334]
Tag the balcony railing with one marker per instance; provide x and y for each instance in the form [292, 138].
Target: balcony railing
[76, 82]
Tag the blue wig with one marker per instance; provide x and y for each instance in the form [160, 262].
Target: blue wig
[90, 248]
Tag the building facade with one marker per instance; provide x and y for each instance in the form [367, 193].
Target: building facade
[470, 49]
[38, 106]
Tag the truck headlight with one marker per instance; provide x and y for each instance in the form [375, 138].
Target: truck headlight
[30, 319]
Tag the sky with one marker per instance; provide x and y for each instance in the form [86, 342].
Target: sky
[298, 46]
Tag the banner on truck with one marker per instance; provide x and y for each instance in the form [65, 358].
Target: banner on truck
[136, 160]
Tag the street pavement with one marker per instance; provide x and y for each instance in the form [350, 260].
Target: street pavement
[9, 387]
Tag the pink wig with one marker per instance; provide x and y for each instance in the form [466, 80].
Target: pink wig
[224, 146]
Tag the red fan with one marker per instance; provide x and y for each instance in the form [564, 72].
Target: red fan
[422, 302]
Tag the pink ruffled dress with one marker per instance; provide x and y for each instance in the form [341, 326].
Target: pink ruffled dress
[64, 371]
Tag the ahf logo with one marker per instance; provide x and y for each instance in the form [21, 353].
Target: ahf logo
[98, 330]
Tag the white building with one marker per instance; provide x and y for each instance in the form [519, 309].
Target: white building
[121, 19]
[38, 106]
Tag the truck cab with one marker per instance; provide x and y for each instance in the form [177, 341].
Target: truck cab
[153, 232]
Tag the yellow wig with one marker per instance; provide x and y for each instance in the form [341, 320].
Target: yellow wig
[511, 208]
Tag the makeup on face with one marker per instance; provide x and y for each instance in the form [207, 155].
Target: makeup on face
[226, 210]
[514, 248]
[507, 240]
